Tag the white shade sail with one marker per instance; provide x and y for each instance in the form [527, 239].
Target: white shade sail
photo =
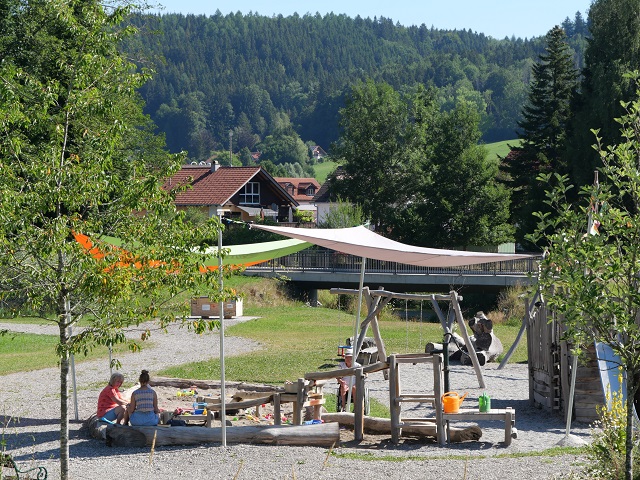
[362, 242]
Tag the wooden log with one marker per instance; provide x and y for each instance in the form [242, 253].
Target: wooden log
[322, 435]
[182, 383]
[382, 426]
[97, 429]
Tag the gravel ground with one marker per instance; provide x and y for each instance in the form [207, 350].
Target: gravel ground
[31, 400]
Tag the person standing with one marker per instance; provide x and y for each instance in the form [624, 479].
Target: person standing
[143, 409]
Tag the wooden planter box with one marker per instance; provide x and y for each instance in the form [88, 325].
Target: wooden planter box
[203, 307]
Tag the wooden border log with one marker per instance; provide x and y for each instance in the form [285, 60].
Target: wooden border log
[382, 426]
[321, 435]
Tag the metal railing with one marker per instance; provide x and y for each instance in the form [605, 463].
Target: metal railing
[330, 261]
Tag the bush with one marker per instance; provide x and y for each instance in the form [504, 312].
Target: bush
[510, 306]
[606, 452]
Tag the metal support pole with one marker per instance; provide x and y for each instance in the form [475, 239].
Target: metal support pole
[223, 407]
[356, 323]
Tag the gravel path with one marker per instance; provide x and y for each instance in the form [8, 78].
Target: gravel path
[32, 400]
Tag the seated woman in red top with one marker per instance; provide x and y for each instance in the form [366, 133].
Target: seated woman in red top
[111, 404]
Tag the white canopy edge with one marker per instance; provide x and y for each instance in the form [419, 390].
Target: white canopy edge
[362, 242]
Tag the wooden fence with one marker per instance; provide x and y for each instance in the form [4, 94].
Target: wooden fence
[550, 365]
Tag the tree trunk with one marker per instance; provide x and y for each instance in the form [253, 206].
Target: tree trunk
[324, 435]
[628, 459]
[64, 403]
[374, 425]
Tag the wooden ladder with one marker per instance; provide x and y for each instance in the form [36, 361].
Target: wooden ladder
[397, 398]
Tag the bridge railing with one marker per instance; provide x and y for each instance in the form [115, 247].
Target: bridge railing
[330, 261]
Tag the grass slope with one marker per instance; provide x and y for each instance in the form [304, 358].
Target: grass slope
[501, 149]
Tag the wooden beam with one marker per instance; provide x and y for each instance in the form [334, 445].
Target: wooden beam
[467, 341]
[345, 372]
[378, 426]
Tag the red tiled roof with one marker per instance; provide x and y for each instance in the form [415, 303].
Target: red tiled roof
[299, 185]
[209, 187]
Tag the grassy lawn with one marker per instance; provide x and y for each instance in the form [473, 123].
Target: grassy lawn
[322, 170]
[501, 148]
[299, 339]
[20, 352]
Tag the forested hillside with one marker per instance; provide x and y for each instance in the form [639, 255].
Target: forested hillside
[278, 82]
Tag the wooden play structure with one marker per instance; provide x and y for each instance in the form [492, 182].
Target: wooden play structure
[376, 300]
[551, 365]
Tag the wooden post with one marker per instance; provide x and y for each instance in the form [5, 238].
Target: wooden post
[437, 393]
[277, 412]
[463, 330]
[358, 410]
[298, 405]
[394, 407]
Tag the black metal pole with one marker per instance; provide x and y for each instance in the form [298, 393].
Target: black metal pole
[445, 353]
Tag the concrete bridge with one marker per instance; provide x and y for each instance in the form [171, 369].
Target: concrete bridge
[324, 269]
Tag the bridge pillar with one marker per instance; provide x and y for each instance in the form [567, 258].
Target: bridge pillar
[313, 297]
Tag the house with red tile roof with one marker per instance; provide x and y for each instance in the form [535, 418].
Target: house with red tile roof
[242, 193]
[302, 190]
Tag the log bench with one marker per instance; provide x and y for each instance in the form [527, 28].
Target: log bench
[507, 415]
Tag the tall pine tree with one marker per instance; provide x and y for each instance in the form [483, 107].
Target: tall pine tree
[542, 130]
[612, 50]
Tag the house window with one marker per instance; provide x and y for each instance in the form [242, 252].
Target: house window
[250, 194]
[311, 190]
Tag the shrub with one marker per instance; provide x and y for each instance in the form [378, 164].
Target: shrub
[606, 452]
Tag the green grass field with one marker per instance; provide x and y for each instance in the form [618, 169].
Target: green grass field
[295, 339]
[22, 352]
[300, 339]
[501, 148]
[323, 170]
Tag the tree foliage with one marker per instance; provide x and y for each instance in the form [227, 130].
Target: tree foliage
[417, 172]
[543, 130]
[343, 214]
[78, 156]
[242, 72]
[612, 50]
[591, 280]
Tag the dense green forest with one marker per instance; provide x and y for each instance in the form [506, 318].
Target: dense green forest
[277, 83]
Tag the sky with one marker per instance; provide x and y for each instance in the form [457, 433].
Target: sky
[496, 18]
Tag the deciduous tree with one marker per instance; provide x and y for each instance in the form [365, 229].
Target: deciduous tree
[417, 172]
[77, 156]
[591, 278]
